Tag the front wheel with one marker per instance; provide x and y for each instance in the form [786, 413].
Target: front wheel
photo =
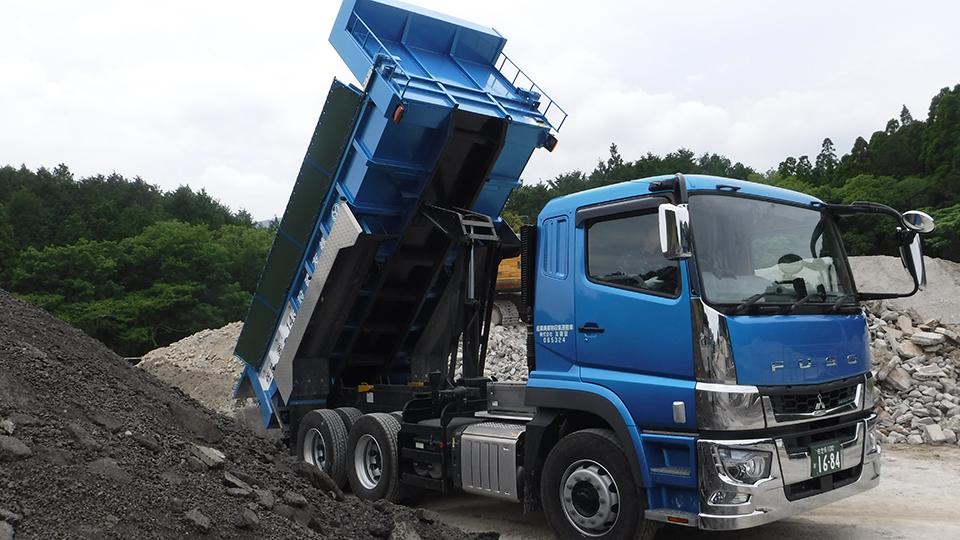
[588, 490]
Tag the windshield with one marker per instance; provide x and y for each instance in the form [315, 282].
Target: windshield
[753, 254]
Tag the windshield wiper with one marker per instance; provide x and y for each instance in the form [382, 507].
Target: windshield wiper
[802, 301]
[751, 301]
[836, 305]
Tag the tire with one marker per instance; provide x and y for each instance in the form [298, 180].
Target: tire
[322, 442]
[373, 464]
[588, 490]
[349, 415]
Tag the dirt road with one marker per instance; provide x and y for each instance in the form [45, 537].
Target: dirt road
[918, 499]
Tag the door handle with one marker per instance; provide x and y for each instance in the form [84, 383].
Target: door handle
[590, 328]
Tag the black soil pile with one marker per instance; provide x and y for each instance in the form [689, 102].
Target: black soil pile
[91, 447]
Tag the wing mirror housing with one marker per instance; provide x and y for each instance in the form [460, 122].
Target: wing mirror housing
[919, 222]
[675, 232]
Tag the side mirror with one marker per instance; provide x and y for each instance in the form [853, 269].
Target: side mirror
[675, 234]
[918, 221]
[911, 253]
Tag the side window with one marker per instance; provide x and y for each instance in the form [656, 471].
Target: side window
[624, 252]
[553, 239]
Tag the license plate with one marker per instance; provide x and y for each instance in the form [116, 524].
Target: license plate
[825, 458]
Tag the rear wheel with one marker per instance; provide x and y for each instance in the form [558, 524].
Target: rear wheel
[588, 489]
[322, 442]
[373, 463]
[349, 415]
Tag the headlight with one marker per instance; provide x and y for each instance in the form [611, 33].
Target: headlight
[747, 466]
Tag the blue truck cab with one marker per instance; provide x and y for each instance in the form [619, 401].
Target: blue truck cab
[714, 326]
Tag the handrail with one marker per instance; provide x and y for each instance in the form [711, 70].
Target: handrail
[534, 87]
[543, 106]
[383, 50]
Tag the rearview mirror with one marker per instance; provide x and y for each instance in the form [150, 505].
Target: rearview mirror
[675, 231]
[918, 221]
[911, 252]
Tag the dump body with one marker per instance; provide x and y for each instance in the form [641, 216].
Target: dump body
[357, 270]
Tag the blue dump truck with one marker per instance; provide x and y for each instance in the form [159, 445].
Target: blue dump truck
[697, 353]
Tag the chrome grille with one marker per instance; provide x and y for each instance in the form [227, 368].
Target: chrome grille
[810, 402]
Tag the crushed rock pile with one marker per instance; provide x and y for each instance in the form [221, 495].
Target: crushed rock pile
[91, 447]
[201, 364]
[917, 363]
[507, 353]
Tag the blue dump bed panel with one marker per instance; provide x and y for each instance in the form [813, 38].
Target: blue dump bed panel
[355, 272]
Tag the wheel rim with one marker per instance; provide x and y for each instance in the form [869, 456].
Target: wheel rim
[314, 449]
[590, 498]
[368, 461]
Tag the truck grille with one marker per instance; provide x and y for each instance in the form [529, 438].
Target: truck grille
[810, 402]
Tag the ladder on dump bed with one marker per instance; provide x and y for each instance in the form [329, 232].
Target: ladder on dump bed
[355, 288]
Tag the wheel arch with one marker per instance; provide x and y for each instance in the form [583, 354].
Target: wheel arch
[564, 411]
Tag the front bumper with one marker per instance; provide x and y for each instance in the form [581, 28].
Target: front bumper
[789, 489]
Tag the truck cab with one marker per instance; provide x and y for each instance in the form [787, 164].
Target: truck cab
[728, 355]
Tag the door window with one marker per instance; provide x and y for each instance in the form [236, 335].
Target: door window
[624, 252]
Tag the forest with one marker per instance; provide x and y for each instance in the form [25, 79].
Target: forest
[125, 262]
[139, 268]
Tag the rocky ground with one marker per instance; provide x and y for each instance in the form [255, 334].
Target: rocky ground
[92, 447]
[916, 362]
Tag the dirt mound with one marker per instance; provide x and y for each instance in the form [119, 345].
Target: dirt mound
[94, 448]
[201, 365]
[940, 299]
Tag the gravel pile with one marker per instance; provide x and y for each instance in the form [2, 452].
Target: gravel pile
[506, 354]
[917, 363]
[201, 364]
[93, 448]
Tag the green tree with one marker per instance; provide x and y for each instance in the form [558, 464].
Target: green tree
[941, 141]
[139, 293]
[7, 251]
[826, 164]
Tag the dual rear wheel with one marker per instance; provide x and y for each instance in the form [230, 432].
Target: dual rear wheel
[352, 447]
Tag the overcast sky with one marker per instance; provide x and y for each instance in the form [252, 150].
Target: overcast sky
[224, 95]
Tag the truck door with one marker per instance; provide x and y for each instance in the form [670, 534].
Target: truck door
[632, 304]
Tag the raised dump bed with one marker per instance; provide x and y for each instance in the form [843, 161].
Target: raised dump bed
[364, 251]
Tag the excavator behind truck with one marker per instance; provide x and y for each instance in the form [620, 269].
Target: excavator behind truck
[697, 352]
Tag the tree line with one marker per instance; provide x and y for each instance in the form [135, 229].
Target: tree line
[129, 264]
[909, 165]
